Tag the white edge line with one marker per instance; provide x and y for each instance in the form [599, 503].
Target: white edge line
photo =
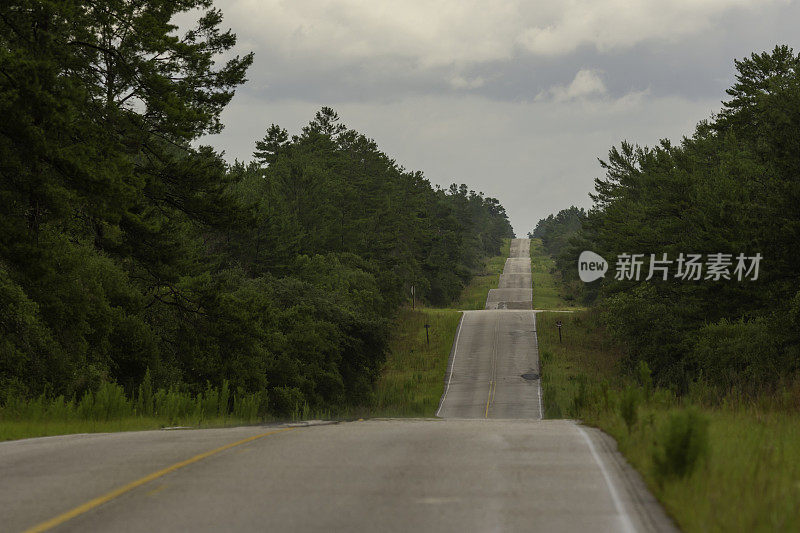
[627, 525]
[539, 368]
[541, 414]
[452, 362]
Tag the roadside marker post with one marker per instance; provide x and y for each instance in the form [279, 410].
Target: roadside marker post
[558, 325]
[427, 339]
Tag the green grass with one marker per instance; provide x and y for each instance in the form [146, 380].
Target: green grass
[584, 357]
[474, 295]
[546, 293]
[412, 378]
[750, 480]
[109, 409]
[23, 429]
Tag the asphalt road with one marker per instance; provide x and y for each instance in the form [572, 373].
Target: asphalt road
[515, 281]
[487, 464]
[377, 475]
[492, 352]
[514, 286]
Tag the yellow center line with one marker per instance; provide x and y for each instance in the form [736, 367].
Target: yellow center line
[493, 378]
[156, 490]
[100, 500]
[488, 400]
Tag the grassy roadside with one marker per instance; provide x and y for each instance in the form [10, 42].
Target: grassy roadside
[737, 468]
[110, 410]
[545, 289]
[412, 378]
[474, 295]
[411, 381]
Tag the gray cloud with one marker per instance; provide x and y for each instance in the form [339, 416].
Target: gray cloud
[515, 98]
[534, 157]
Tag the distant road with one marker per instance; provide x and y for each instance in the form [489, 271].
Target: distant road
[488, 464]
[494, 364]
[514, 288]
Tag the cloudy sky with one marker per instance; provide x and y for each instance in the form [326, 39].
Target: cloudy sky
[515, 98]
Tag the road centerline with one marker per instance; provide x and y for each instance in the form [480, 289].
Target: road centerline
[493, 376]
[109, 496]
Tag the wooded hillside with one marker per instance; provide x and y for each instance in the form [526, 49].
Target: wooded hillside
[731, 188]
[124, 248]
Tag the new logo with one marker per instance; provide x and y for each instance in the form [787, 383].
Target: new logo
[591, 266]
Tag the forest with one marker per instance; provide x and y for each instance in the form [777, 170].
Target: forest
[131, 255]
[556, 230]
[732, 187]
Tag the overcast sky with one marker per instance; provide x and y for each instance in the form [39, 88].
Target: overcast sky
[515, 98]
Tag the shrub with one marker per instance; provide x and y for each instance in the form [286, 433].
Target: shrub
[60, 409]
[144, 401]
[682, 444]
[743, 354]
[629, 407]
[645, 377]
[224, 399]
[606, 395]
[175, 405]
[110, 402]
[248, 406]
[286, 400]
[580, 399]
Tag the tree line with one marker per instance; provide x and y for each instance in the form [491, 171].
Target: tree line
[127, 252]
[556, 230]
[731, 188]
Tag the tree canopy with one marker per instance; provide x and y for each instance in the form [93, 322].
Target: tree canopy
[123, 247]
[730, 188]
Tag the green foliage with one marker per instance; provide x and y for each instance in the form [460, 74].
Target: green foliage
[286, 400]
[145, 400]
[645, 378]
[580, 400]
[629, 407]
[744, 355]
[248, 407]
[411, 380]
[547, 283]
[554, 237]
[109, 402]
[682, 445]
[474, 294]
[729, 188]
[133, 261]
[169, 406]
[552, 409]
[555, 231]
[550, 398]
